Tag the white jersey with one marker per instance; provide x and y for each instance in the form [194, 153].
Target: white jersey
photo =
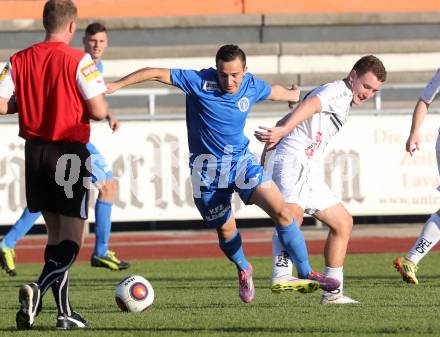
[89, 79]
[428, 94]
[432, 89]
[309, 139]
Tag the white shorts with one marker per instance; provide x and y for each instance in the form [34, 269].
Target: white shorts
[302, 183]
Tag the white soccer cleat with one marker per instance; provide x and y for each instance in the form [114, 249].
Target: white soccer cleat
[337, 299]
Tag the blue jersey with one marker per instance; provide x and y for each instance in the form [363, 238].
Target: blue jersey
[100, 67]
[215, 119]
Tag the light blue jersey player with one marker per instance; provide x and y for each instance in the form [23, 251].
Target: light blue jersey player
[217, 104]
[95, 42]
[220, 161]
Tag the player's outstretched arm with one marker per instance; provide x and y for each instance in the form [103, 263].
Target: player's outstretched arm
[420, 112]
[145, 74]
[271, 136]
[280, 93]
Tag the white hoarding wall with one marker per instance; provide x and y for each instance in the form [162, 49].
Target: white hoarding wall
[366, 166]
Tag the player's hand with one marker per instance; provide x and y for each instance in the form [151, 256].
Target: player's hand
[412, 144]
[297, 93]
[111, 88]
[113, 123]
[271, 136]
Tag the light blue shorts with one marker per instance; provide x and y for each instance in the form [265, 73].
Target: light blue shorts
[214, 202]
[100, 170]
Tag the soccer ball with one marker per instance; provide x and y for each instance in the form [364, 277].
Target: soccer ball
[134, 294]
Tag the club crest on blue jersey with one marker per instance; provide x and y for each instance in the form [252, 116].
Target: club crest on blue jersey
[243, 104]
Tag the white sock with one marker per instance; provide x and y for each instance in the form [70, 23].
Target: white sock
[428, 238]
[338, 274]
[281, 263]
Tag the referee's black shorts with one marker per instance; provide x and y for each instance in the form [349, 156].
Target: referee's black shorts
[57, 179]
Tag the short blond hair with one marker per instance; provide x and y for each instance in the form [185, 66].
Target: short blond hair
[57, 14]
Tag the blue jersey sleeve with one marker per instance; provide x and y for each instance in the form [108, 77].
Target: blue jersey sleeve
[187, 80]
[263, 89]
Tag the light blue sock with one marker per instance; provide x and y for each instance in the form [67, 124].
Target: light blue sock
[103, 226]
[233, 250]
[293, 241]
[20, 228]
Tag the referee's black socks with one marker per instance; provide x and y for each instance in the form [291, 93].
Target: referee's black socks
[58, 259]
[60, 286]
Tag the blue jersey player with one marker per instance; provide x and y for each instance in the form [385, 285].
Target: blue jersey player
[95, 42]
[217, 104]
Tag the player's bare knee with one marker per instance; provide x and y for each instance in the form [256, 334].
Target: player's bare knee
[342, 227]
[107, 191]
[345, 227]
[227, 230]
[297, 216]
[283, 216]
[349, 224]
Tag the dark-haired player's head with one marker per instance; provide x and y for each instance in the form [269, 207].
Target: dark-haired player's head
[366, 78]
[95, 40]
[230, 61]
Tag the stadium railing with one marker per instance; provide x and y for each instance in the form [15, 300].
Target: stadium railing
[151, 94]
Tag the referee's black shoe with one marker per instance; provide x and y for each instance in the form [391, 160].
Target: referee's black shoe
[74, 321]
[29, 298]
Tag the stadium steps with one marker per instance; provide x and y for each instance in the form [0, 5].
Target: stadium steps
[270, 39]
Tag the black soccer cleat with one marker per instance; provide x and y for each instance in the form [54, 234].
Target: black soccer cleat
[74, 321]
[29, 298]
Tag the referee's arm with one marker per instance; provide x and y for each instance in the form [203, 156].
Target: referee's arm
[97, 107]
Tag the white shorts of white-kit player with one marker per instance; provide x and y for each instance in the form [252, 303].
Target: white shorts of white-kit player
[302, 182]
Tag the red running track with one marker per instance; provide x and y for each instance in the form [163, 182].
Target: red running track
[203, 244]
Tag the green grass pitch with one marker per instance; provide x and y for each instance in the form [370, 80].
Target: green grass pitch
[200, 298]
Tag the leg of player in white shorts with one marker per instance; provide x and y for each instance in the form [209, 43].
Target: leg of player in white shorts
[303, 188]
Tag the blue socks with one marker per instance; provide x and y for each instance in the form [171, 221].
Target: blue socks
[233, 249]
[103, 225]
[293, 241]
[21, 227]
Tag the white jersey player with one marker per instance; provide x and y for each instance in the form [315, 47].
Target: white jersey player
[299, 155]
[430, 235]
[300, 139]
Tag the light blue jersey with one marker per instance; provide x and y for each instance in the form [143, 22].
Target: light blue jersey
[215, 119]
[100, 67]
[220, 160]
